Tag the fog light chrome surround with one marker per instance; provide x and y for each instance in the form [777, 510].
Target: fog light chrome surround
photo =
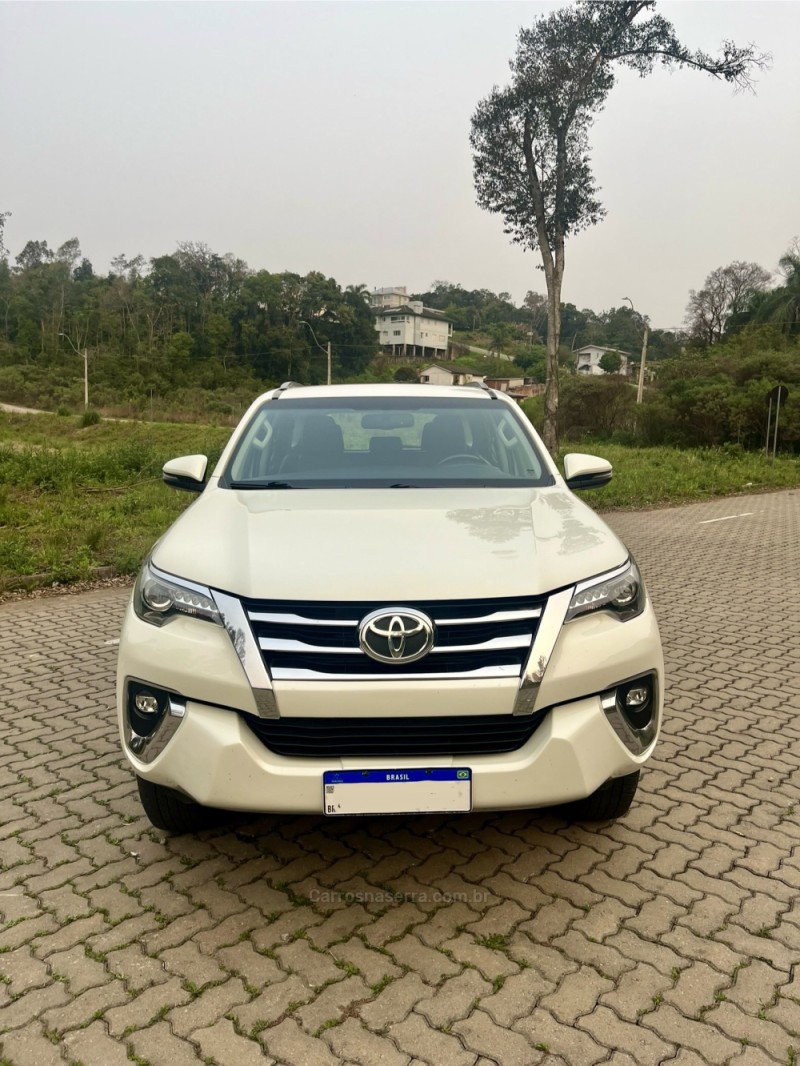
[634, 720]
[171, 708]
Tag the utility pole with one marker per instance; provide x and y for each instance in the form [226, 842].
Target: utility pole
[640, 389]
[326, 350]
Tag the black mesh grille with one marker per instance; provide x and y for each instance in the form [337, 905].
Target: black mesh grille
[482, 734]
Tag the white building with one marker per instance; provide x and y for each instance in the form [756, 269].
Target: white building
[406, 328]
[394, 296]
[588, 359]
[448, 374]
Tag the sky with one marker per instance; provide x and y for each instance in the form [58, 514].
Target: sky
[335, 137]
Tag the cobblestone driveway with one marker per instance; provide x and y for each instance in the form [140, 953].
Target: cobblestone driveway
[672, 936]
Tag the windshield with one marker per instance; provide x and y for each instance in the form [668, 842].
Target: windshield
[384, 441]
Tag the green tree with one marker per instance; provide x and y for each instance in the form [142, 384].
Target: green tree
[531, 140]
[782, 305]
[610, 362]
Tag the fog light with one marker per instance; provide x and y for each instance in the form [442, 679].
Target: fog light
[637, 697]
[632, 710]
[145, 703]
[146, 707]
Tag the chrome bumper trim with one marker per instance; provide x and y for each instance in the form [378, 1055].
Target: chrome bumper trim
[635, 740]
[545, 641]
[148, 748]
[238, 629]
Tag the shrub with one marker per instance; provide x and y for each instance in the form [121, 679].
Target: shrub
[90, 418]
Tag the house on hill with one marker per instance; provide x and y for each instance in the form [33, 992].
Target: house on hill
[408, 330]
[518, 388]
[449, 374]
[588, 359]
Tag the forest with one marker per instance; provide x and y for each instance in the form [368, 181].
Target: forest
[195, 335]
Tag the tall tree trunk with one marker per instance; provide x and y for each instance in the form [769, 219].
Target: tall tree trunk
[550, 428]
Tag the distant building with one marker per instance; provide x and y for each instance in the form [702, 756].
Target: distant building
[588, 359]
[394, 296]
[407, 329]
[518, 388]
[448, 374]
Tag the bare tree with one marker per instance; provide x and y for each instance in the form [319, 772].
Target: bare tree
[728, 291]
[3, 216]
[530, 140]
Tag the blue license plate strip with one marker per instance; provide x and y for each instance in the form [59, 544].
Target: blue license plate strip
[418, 791]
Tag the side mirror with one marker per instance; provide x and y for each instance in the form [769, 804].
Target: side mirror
[187, 473]
[586, 471]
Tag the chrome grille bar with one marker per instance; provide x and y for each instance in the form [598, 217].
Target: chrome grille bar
[523, 640]
[318, 640]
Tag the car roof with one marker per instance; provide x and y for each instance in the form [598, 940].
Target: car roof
[314, 392]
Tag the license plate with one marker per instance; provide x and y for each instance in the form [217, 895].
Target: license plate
[397, 791]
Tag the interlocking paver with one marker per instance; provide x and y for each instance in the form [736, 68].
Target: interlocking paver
[209, 1005]
[671, 936]
[29, 1047]
[481, 1035]
[146, 1007]
[575, 1047]
[687, 1033]
[396, 1001]
[431, 965]
[637, 991]
[415, 1036]
[94, 1045]
[222, 1044]
[640, 1043]
[373, 965]
[136, 969]
[352, 1043]
[256, 969]
[273, 1002]
[289, 1043]
[158, 1044]
[188, 962]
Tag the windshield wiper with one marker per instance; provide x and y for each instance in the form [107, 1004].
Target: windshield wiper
[265, 485]
[403, 485]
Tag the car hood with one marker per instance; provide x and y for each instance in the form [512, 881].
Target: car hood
[388, 544]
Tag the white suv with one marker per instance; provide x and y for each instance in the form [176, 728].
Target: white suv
[386, 599]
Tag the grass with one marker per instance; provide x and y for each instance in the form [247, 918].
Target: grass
[658, 477]
[75, 497]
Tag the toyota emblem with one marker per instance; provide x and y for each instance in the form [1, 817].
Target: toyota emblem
[396, 635]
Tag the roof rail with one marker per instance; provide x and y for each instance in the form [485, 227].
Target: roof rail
[481, 385]
[286, 385]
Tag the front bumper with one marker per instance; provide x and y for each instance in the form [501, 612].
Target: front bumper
[215, 759]
[212, 756]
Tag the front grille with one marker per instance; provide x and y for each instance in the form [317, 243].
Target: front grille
[315, 640]
[479, 734]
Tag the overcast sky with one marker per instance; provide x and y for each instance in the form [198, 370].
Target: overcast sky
[334, 137]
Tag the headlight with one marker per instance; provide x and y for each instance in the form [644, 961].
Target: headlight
[159, 597]
[620, 591]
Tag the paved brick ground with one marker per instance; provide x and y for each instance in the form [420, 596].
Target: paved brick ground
[670, 937]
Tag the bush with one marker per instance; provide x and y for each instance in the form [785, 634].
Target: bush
[406, 373]
[90, 418]
[595, 407]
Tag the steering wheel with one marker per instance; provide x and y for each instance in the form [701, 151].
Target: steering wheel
[470, 458]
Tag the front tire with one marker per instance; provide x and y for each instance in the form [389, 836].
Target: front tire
[611, 800]
[171, 811]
